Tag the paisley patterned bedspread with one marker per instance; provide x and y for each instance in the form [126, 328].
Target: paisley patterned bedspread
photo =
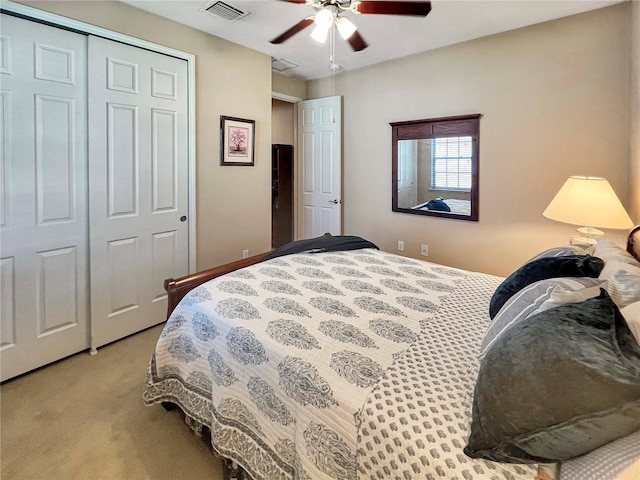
[280, 359]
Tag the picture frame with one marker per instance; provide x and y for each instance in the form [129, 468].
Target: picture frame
[237, 141]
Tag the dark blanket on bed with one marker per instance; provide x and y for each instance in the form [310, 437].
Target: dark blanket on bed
[322, 244]
[438, 204]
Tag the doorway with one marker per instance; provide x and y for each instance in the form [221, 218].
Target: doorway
[283, 171]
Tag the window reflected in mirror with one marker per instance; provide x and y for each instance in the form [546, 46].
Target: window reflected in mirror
[435, 167]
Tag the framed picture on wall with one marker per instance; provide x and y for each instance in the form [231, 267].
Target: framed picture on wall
[237, 141]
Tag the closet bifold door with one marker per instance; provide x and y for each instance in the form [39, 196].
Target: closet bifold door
[43, 195]
[138, 181]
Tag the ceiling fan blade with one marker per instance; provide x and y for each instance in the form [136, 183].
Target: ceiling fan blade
[420, 9]
[357, 42]
[301, 25]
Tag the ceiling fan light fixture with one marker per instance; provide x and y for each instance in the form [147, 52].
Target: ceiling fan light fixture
[346, 28]
[327, 14]
[324, 19]
[320, 34]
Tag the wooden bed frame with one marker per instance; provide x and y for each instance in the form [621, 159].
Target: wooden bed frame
[633, 242]
[178, 287]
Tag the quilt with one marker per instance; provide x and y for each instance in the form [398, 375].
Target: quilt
[426, 397]
[281, 360]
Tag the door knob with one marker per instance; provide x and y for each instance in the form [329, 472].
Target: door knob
[183, 218]
[334, 201]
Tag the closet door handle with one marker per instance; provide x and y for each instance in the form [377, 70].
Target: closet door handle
[183, 218]
[335, 201]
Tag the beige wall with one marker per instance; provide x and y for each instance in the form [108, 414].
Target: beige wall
[233, 203]
[634, 163]
[555, 102]
[289, 85]
[282, 122]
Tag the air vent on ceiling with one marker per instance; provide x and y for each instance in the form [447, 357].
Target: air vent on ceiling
[280, 64]
[224, 10]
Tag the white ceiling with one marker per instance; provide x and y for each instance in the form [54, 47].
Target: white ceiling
[450, 22]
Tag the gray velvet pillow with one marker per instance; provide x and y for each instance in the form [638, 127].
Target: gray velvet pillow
[559, 385]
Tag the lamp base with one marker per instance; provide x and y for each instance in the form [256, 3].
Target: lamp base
[587, 237]
[590, 232]
[580, 240]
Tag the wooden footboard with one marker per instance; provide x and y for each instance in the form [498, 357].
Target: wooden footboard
[177, 288]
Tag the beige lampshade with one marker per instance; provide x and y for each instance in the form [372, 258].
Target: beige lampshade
[588, 201]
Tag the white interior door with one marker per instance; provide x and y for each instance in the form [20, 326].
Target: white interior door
[407, 173]
[138, 177]
[320, 179]
[43, 192]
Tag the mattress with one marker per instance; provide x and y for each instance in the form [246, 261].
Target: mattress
[457, 206]
[339, 365]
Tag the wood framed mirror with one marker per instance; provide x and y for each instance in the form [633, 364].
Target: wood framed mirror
[435, 167]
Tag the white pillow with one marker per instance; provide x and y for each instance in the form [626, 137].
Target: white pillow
[631, 314]
[610, 252]
[524, 303]
[624, 282]
[604, 463]
[561, 295]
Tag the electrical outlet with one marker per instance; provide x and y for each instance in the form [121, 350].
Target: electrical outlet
[400, 245]
[424, 250]
[245, 253]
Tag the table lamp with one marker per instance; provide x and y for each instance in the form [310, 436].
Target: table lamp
[591, 202]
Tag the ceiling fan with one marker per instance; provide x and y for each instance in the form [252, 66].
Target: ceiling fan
[328, 13]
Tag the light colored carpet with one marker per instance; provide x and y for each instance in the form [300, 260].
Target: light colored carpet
[84, 418]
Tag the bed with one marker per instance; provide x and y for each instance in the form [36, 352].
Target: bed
[457, 206]
[349, 364]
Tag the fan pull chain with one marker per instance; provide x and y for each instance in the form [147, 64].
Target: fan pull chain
[332, 59]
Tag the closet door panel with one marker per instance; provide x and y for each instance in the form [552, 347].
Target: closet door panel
[57, 290]
[165, 259]
[138, 182]
[5, 155]
[165, 164]
[123, 287]
[7, 303]
[55, 160]
[122, 159]
[44, 226]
